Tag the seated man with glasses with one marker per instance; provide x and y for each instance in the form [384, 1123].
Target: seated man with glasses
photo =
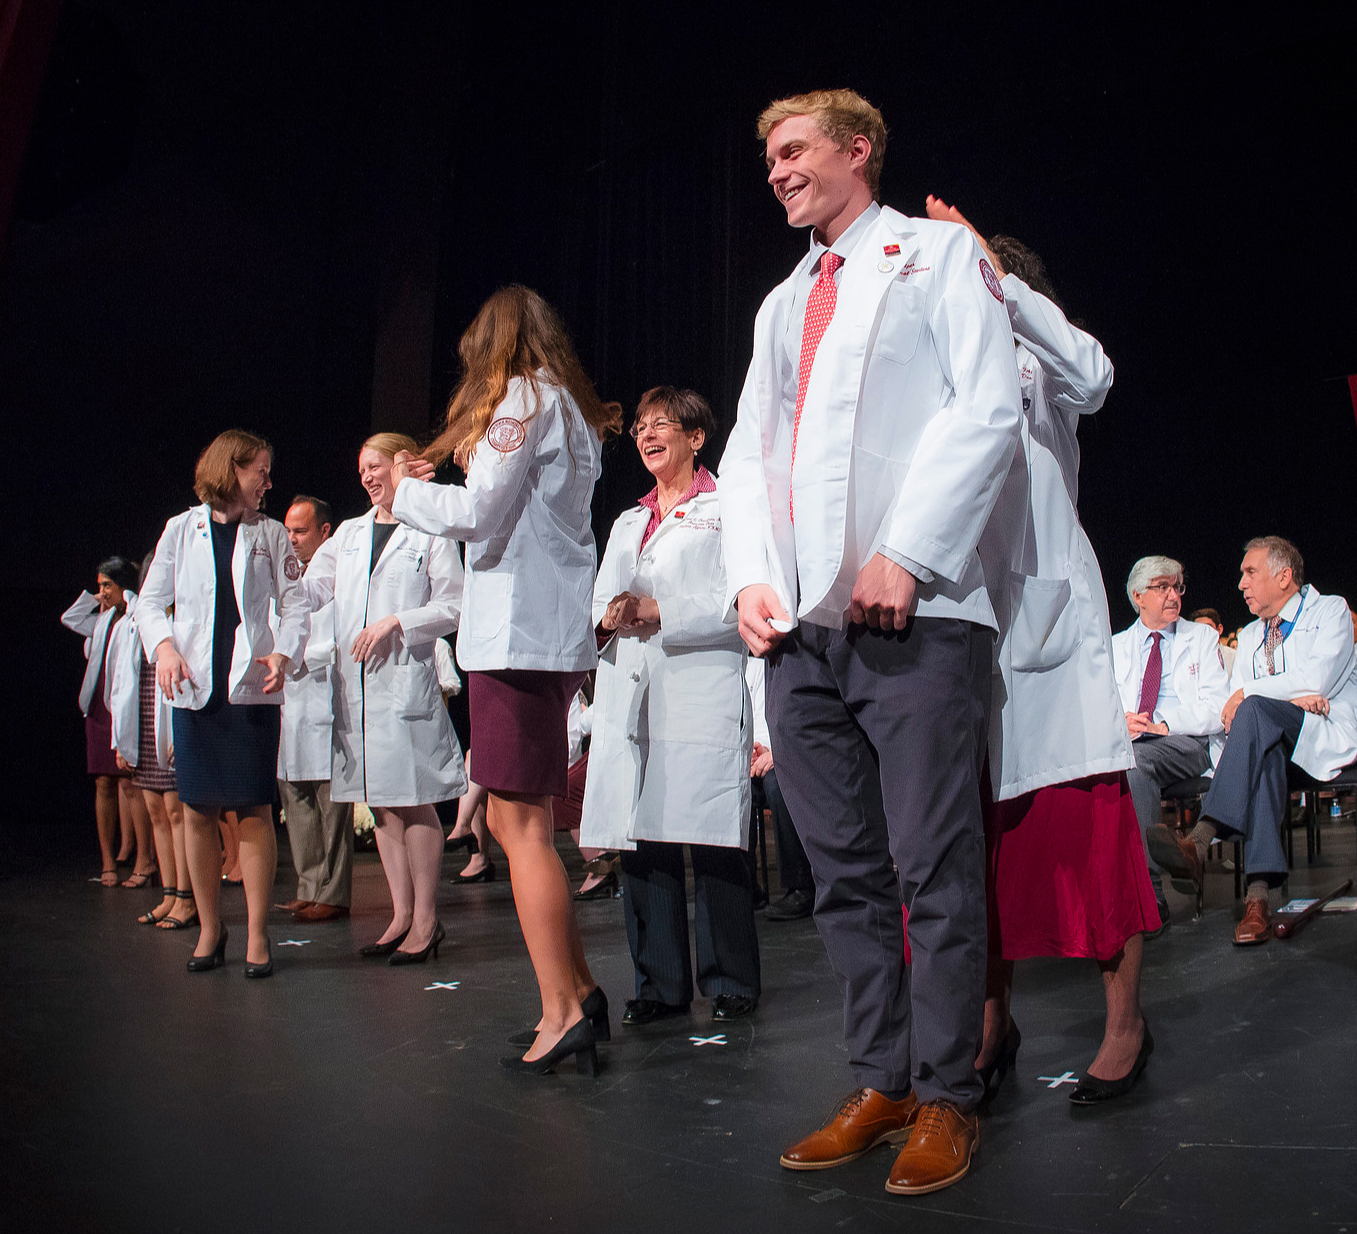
[1173, 685]
[1295, 699]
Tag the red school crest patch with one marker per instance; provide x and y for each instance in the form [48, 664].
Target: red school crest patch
[292, 568]
[991, 280]
[506, 434]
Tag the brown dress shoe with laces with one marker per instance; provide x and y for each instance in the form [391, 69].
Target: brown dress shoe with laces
[1175, 853]
[863, 1120]
[1256, 925]
[938, 1152]
[293, 906]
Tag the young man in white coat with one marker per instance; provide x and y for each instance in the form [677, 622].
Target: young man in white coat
[1173, 685]
[1294, 700]
[319, 830]
[875, 429]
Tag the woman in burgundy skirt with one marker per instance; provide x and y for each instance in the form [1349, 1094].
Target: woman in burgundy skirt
[1067, 868]
[527, 425]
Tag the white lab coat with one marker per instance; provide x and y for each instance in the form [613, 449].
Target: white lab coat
[86, 620]
[124, 692]
[264, 570]
[524, 515]
[1055, 715]
[669, 756]
[1316, 658]
[308, 705]
[392, 742]
[909, 423]
[1196, 673]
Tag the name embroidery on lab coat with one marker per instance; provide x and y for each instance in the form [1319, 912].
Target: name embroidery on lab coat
[506, 434]
[911, 268]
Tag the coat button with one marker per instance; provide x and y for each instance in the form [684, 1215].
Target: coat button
[636, 676]
[632, 738]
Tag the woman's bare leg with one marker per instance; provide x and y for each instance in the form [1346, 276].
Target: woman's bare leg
[164, 852]
[258, 866]
[106, 822]
[522, 826]
[998, 993]
[230, 843]
[1125, 1031]
[202, 851]
[132, 805]
[390, 833]
[422, 837]
[184, 909]
[591, 880]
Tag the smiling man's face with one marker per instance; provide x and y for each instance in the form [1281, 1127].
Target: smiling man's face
[813, 179]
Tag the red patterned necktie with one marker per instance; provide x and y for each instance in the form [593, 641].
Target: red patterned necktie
[819, 310]
[1271, 641]
[1154, 674]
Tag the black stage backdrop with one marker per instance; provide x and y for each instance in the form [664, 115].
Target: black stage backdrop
[283, 216]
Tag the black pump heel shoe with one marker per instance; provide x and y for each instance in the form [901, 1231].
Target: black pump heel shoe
[379, 951]
[261, 970]
[994, 1072]
[595, 1008]
[418, 957]
[578, 1040]
[1092, 1091]
[215, 959]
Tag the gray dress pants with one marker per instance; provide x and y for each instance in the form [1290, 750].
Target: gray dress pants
[1248, 796]
[320, 834]
[880, 742]
[1161, 761]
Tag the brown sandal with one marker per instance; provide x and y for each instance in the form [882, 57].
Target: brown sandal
[137, 880]
[108, 878]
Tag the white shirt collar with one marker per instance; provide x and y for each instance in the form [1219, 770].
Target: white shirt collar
[1290, 608]
[1168, 631]
[847, 242]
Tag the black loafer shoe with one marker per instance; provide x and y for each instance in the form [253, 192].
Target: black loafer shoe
[791, 907]
[732, 1006]
[1092, 1091]
[644, 1010]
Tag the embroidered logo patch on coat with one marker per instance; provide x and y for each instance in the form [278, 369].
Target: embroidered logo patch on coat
[987, 272]
[506, 434]
[991, 280]
[292, 568]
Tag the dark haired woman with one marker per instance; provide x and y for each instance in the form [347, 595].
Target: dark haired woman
[673, 733]
[1067, 869]
[528, 425]
[96, 617]
[223, 565]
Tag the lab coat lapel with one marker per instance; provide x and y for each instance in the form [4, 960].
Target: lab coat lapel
[393, 545]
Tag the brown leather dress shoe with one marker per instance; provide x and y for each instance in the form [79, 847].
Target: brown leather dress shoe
[1256, 926]
[322, 912]
[863, 1120]
[939, 1150]
[1175, 853]
[294, 906]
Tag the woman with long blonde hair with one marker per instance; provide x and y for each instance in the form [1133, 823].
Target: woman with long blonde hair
[395, 591]
[528, 427]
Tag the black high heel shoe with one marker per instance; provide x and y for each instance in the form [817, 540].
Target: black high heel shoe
[261, 970]
[1092, 1091]
[215, 959]
[595, 1008]
[486, 874]
[994, 1072]
[379, 951]
[418, 957]
[467, 842]
[578, 1040]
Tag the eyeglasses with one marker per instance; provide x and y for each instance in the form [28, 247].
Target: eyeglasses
[1180, 588]
[659, 424]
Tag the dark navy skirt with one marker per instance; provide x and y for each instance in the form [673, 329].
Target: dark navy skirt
[227, 759]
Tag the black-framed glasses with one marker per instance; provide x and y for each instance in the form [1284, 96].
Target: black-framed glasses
[1165, 588]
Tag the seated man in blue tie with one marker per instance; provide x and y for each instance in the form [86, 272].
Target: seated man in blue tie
[1173, 685]
[1295, 699]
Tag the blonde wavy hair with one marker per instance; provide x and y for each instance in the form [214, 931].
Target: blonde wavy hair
[515, 334]
[841, 115]
[390, 444]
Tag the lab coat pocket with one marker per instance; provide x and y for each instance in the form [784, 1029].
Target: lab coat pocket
[897, 336]
[1045, 628]
[414, 691]
[486, 604]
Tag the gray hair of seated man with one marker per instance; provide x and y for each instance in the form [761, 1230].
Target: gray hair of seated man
[1148, 568]
[1280, 554]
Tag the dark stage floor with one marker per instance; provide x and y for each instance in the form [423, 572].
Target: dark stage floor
[345, 1095]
